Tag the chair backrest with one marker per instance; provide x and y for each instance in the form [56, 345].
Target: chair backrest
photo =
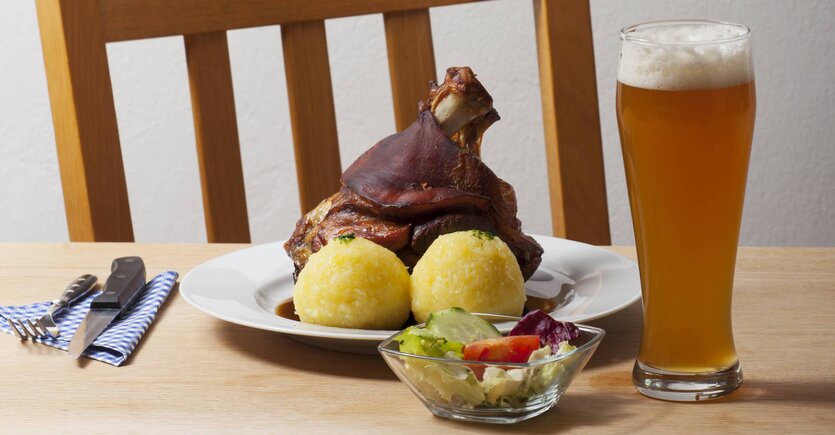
[74, 34]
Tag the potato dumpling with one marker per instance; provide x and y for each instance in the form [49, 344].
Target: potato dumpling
[353, 283]
[473, 270]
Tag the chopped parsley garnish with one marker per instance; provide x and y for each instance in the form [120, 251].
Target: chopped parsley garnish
[479, 234]
[345, 238]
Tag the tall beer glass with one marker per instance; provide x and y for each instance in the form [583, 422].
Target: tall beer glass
[685, 107]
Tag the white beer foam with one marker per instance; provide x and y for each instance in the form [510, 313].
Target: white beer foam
[685, 56]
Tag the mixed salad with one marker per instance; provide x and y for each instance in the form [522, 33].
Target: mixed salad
[456, 335]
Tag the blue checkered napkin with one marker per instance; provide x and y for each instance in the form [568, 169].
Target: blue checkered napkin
[118, 340]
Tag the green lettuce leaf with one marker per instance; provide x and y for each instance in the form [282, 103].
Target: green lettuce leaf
[420, 341]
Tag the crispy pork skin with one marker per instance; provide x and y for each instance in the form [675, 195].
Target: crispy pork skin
[425, 181]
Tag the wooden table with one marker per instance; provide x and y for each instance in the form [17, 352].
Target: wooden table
[194, 374]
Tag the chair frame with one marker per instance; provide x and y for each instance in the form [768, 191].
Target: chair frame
[74, 34]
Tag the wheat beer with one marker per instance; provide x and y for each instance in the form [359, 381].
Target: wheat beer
[685, 106]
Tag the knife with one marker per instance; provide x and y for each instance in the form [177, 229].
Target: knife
[127, 277]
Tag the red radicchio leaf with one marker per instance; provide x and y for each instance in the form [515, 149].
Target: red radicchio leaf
[550, 331]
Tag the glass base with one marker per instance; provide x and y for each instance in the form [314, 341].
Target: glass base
[685, 387]
[531, 409]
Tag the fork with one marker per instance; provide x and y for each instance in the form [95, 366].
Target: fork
[45, 326]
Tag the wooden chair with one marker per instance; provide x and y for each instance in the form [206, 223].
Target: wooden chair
[74, 34]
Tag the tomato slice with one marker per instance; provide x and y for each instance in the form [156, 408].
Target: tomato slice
[505, 349]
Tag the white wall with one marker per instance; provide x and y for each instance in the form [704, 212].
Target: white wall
[791, 189]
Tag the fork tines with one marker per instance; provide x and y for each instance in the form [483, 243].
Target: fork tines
[25, 332]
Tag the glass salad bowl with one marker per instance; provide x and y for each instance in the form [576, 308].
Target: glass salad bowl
[490, 392]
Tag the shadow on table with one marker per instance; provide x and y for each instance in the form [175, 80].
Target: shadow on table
[623, 330]
[623, 337]
[280, 350]
[810, 393]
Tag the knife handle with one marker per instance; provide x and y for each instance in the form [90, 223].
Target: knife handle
[127, 277]
[75, 290]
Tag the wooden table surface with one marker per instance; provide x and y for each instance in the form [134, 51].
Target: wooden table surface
[194, 374]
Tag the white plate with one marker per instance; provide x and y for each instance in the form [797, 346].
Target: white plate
[246, 286]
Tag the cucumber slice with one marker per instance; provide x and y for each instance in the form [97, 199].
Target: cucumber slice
[456, 324]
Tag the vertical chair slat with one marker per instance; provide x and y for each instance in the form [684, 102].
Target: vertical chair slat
[312, 115]
[411, 61]
[572, 125]
[216, 131]
[84, 117]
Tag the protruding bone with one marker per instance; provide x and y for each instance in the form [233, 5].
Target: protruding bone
[462, 107]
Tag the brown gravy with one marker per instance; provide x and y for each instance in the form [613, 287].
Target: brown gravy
[287, 309]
